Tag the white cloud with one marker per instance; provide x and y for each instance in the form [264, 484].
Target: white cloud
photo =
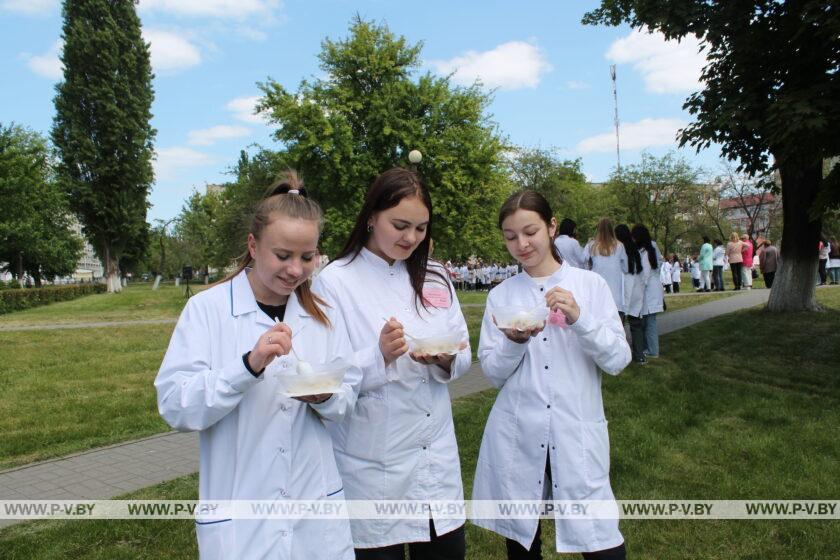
[171, 52]
[243, 109]
[30, 7]
[666, 66]
[512, 65]
[209, 136]
[225, 9]
[169, 161]
[48, 64]
[647, 133]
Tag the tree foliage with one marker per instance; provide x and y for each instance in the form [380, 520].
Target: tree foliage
[36, 233]
[770, 89]
[564, 185]
[365, 116]
[661, 193]
[101, 128]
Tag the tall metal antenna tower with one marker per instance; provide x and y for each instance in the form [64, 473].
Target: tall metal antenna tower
[617, 137]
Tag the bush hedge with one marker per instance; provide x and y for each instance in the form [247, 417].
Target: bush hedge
[24, 298]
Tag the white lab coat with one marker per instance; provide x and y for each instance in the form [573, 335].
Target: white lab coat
[254, 442]
[634, 289]
[676, 269]
[550, 402]
[611, 268]
[654, 301]
[571, 252]
[665, 273]
[399, 442]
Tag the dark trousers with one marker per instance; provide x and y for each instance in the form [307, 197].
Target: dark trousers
[451, 546]
[516, 551]
[736, 274]
[717, 275]
[637, 337]
[823, 275]
[676, 286]
[768, 279]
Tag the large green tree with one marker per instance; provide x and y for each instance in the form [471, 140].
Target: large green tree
[564, 185]
[661, 193]
[364, 117]
[36, 229]
[101, 128]
[770, 90]
[253, 174]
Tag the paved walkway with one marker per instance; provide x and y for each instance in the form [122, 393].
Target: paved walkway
[111, 471]
[92, 325]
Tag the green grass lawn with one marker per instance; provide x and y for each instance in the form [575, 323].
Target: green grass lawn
[700, 422]
[675, 303]
[75, 389]
[70, 390]
[137, 301]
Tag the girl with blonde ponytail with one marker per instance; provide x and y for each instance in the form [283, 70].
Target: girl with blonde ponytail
[256, 442]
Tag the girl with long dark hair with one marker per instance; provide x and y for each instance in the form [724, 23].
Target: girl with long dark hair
[635, 280]
[546, 437]
[654, 301]
[399, 442]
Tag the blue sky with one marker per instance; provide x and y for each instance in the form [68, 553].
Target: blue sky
[551, 74]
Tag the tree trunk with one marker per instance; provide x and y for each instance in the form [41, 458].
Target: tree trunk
[793, 288]
[112, 271]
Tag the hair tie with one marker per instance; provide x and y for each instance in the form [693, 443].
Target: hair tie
[294, 191]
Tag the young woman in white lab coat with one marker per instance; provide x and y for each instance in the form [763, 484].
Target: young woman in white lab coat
[546, 437]
[399, 442]
[257, 444]
[654, 301]
[606, 257]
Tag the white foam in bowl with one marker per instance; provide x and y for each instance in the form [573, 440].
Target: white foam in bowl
[438, 344]
[323, 379]
[520, 318]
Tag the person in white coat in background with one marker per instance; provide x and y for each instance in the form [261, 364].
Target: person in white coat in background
[665, 276]
[635, 281]
[399, 443]
[606, 257]
[567, 244]
[256, 443]
[676, 273]
[654, 302]
[546, 436]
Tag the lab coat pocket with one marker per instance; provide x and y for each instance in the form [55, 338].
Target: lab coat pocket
[596, 453]
[215, 540]
[364, 428]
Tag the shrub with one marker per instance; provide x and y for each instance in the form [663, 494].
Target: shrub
[18, 299]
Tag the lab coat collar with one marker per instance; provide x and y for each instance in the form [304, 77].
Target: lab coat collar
[242, 301]
[553, 280]
[378, 262]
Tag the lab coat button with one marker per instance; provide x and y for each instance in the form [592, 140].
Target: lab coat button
[548, 406]
[545, 340]
[281, 449]
[284, 493]
[428, 414]
[546, 367]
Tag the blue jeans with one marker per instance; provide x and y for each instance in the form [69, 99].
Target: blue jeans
[651, 334]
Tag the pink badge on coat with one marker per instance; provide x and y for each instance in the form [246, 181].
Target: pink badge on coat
[437, 297]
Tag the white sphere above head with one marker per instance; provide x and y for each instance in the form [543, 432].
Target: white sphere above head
[414, 156]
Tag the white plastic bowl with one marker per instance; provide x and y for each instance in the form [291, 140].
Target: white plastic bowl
[324, 379]
[434, 345]
[520, 317]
